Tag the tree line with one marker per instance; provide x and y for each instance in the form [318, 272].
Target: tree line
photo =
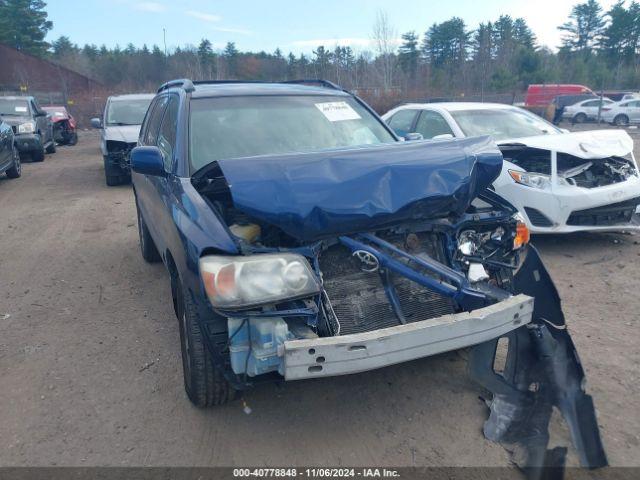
[599, 48]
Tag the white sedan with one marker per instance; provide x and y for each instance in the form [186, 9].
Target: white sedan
[585, 110]
[560, 182]
[622, 113]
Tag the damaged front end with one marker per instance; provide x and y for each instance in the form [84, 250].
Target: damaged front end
[357, 259]
[118, 153]
[573, 182]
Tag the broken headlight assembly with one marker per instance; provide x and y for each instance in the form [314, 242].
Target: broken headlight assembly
[241, 282]
[472, 243]
[534, 180]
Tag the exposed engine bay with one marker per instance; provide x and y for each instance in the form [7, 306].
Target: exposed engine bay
[357, 288]
[119, 153]
[580, 172]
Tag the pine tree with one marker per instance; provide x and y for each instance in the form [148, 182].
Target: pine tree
[24, 25]
[584, 28]
[408, 54]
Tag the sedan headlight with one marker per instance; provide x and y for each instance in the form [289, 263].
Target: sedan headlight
[234, 282]
[28, 127]
[535, 180]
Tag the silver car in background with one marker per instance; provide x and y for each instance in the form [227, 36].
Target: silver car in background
[622, 113]
[120, 124]
[585, 110]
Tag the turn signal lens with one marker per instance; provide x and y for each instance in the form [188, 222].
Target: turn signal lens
[522, 235]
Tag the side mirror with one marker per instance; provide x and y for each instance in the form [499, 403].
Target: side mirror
[40, 113]
[444, 136]
[147, 161]
[96, 123]
[410, 137]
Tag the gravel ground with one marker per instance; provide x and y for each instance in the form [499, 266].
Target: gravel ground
[90, 368]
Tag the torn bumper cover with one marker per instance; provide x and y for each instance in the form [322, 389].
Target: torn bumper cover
[323, 357]
[542, 371]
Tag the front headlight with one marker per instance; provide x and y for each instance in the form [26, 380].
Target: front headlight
[28, 127]
[535, 180]
[234, 282]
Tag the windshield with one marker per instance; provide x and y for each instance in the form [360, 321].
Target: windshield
[502, 123]
[233, 127]
[14, 107]
[127, 112]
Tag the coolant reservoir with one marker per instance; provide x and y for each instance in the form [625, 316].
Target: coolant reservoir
[249, 232]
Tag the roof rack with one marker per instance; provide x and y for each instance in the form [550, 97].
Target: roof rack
[316, 81]
[182, 82]
[222, 82]
[189, 86]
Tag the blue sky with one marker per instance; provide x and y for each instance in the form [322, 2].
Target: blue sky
[292, 25]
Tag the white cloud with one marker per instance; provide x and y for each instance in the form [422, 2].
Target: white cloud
[240, 31]
[346, 42]
[207, 17]
[153, 7]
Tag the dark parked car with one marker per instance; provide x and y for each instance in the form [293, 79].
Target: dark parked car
[304, 240]
[32, 127]
[9, 156]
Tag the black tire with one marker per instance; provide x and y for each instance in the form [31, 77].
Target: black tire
[580, 118]
[204, 382]
[147, 245]
[114, 175]
[73, 139]
[51, 148]
[37, 155]
[621, 120]
[16, 169]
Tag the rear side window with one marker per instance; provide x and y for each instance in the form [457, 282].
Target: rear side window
[431, 124]
[153, 125]
[402, 122]
[167, 134]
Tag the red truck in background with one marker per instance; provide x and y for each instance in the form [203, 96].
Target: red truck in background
[541, 95]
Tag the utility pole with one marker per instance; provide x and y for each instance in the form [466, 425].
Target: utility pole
[164, 39]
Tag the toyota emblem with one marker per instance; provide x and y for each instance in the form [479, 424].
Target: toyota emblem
[369, 262]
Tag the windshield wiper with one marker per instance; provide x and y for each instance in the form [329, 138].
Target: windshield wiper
[122, 124]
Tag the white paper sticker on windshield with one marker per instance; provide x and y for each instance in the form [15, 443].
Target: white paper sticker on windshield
[338, 111]
[21, 109]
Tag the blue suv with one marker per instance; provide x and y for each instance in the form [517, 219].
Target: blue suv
[304, 239]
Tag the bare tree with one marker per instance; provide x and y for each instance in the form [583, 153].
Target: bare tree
[384, 41]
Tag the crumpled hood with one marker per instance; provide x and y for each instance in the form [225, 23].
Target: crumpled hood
[124, 133]
[14, 121]
[321, 194]
[591, 144]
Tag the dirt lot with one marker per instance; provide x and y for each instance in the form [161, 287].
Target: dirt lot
[90, 368]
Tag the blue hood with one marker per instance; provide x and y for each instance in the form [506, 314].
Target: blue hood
[329, 193]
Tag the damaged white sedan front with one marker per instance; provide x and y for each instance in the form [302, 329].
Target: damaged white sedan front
[561, 182]
[573, 181]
